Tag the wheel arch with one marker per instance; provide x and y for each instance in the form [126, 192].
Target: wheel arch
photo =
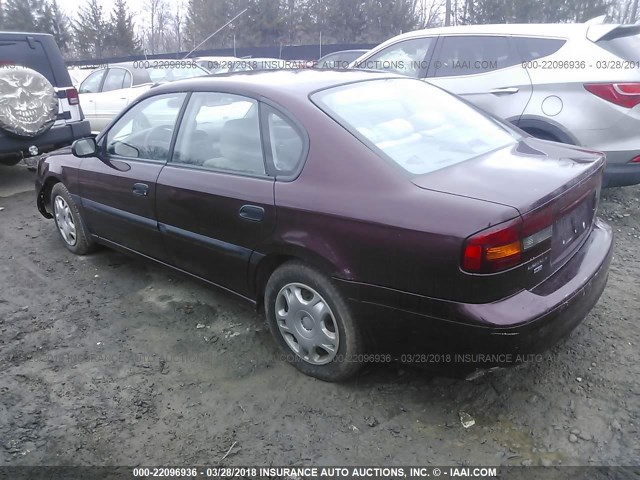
[263, 266]
[531, 124]
[44, 195]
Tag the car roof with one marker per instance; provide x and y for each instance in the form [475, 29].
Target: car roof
[273, 83]
[31, 34]
[533, 29]
[214, 57]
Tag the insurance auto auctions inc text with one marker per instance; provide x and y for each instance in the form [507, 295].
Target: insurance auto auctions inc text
[377, 472]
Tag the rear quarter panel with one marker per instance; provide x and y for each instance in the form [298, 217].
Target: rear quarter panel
[359, 218]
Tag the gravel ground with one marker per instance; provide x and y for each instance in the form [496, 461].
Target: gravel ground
[107, 360]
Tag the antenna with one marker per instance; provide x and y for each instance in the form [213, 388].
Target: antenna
[207, 39]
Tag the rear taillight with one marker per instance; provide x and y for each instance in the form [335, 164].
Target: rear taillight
[622, 94]
[494, 249]
[508, 244]
[72, 96]
[635, 159]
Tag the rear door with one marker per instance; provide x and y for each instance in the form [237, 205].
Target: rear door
[88, 93]
[118, 190]
[215, 198]
[486, 70]
[113, 96]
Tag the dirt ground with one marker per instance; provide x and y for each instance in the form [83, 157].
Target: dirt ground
[107, 360]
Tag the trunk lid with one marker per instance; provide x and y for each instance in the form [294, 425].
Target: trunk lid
[554, 187]
[524, 176]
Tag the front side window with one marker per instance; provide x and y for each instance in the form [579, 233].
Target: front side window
[145, 131]
[91, 84]
[221, 131]
[406, 58]
[416, 125]
[469, 55]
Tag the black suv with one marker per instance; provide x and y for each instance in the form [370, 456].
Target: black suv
[39, 107]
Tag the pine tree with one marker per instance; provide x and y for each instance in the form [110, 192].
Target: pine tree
[261, 25]
[59, 27]
[23, 15]
[121, 39]
[90, 31]
[204, 17]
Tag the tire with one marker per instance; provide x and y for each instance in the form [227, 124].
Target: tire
[293, 323]
[69, 222]
[28, 102]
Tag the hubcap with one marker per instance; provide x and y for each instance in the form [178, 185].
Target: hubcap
[64, 220]
[307, 323]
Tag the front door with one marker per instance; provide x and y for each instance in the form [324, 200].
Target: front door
[119, 189]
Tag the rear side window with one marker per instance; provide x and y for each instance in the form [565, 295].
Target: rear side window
[624, 42]
[20, 53]
[114, 79]
[416, 125]
[286, 144]
[532, 48]
[469, 55]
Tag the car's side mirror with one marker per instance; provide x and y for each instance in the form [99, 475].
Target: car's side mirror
[84, 147]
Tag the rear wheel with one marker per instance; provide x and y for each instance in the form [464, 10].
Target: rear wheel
[312, 323]
[69, 222]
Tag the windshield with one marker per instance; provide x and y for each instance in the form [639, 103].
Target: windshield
[418, 126]
[625, 43]
[161, 75]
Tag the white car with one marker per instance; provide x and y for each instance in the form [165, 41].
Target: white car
[106, 91]
[78, 75]
[572, 83]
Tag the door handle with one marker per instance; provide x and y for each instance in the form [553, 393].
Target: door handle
[505, 90]
[251, 213]
[141, 189]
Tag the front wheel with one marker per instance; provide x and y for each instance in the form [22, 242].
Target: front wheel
[312, 323]
[69, 222]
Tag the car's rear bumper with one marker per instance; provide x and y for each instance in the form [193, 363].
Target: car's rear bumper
[620, 171]
[52, 139]
[526, 323]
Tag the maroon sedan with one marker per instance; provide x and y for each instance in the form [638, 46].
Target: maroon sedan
[364, 212]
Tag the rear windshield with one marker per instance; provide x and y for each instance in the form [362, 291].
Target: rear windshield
[18, 53]
[624, 42]
[162, 75]
[416, 125]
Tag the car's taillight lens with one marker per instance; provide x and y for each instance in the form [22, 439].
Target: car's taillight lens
[494, 249]
[508, 244]
[72, 96]
[635, 159]
[623, 94]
